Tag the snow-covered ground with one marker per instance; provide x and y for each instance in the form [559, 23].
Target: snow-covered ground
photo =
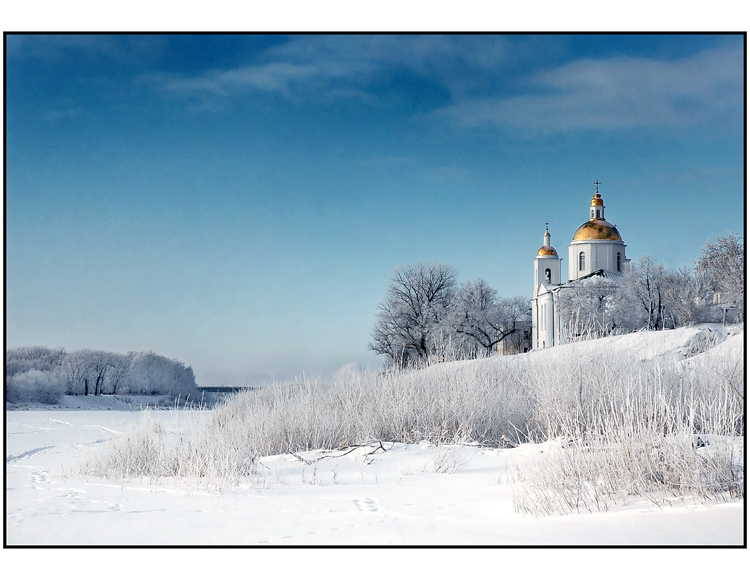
[389, 494]
[371, 495]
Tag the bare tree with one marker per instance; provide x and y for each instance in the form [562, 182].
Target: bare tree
[75, 369]
[94, 371]
[409, 320]
[482, 319]
[682, 292]
[722, 268]
[585, 308]
[99, 369]
[116, 367]
[641, 300]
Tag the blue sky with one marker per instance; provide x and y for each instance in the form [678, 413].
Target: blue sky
[240, 202]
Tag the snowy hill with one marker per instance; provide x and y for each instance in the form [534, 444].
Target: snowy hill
[662, 346]
[668, 345]
[93, 476]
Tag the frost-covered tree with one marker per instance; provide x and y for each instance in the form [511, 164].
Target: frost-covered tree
[108, 370]
[646, 295]
[641, 298]
[481, 320]
[409, 324]
[34, 386]
[94, 372]
[101, 370]
[76, 371]
[25, 358]
[33, 373]
[44, 374]
[586, 308]
[682, 292]
[721, 267]
[153, 374]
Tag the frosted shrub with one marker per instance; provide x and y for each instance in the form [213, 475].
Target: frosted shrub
[151, 450]
[664, 432]
[441, 404]
[662, 469]
[34, 386]
[447, 403]
[625, 423]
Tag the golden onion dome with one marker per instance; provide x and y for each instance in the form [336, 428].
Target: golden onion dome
[547, 251]
[597, 230]
[597, 200]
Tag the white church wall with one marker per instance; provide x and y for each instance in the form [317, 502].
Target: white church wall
[600, 255]
[543, 323]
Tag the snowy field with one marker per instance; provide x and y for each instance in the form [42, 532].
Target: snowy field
[383, 494]
[390, 495]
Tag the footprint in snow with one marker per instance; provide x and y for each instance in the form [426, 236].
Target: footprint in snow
[40, 476]
[74, 494]
[366, 505]
[29, 453]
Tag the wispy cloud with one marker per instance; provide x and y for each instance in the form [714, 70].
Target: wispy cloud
[335, 67]
[284, 78]
[492, 81]
[616, 93]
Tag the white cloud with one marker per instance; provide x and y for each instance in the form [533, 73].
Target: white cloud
[334, 67]
[604, 94]
[617, 93]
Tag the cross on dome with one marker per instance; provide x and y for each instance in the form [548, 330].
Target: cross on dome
[597, 200]
[546, 249]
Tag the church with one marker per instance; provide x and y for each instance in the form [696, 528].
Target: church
[596, 249]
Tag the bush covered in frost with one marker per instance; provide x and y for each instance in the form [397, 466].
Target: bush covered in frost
[624, 422]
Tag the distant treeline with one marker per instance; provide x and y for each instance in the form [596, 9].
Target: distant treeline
[42, 374]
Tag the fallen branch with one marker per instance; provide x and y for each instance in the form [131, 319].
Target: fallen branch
[349, 449]
[302, 459]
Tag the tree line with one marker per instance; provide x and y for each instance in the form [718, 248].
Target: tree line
[648, 295]
[426, 316]
[38, 373]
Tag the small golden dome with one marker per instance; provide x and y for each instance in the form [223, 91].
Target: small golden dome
[597, 230]
[547, 251]
[596, 200]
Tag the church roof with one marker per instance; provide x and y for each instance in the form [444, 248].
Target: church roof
[547, 251]
[612, 276]
[595, 229]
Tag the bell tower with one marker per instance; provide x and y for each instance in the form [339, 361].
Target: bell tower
[546, 277]
[546, 264]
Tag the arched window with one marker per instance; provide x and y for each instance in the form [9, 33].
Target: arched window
[618, 261]
[548, 273]
[581, 261]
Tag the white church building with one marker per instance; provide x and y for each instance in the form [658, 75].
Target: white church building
[597, 249]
